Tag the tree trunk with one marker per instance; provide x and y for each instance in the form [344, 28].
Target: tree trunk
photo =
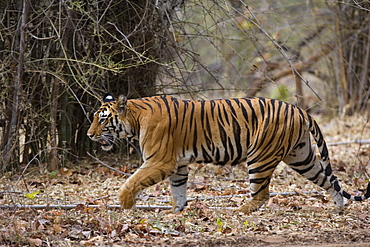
[353, 42]
[10, 152]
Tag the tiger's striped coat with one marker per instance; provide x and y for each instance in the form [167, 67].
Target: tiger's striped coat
[173, 133]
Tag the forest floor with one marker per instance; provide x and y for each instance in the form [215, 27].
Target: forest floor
[84, 191]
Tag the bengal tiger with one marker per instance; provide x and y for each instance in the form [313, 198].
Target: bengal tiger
[173, 133]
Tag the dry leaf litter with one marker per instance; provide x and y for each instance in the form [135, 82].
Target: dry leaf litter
[297, 218]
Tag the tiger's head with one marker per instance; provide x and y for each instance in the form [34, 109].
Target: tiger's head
[110, 123]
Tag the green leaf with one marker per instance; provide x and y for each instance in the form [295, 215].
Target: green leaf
[142, 221]
[220, 224]
[52, 174]
[32, 195]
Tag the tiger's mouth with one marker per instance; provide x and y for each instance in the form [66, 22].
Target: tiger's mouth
[106, 143]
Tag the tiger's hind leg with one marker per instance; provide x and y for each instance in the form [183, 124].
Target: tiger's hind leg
[303, 160]
[260, 174]
[178, 182]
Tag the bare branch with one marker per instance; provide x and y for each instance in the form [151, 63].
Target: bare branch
[112, 168]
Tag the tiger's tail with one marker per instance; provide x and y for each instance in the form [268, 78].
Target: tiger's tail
[321, 144]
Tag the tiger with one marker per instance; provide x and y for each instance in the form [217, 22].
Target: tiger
[174, 133]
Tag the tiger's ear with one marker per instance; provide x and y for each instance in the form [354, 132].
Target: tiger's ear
[108, 98]
[121, 103]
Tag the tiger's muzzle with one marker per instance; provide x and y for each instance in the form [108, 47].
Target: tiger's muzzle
[106, 141]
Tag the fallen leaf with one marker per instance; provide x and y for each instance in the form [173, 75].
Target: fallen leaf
[21, 224]
[35, 241]
[98, 240]
[87, 234]
[363, 216]
[32, 195]
[142, 226]
[57, 228]
[227, 230]
[75, 231]
[65, 172]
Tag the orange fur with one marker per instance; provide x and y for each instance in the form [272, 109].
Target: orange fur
[173, 133]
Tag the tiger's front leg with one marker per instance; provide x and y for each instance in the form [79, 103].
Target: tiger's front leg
[178, 182]
[147, 175]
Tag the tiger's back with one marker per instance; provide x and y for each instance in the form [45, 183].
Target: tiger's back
[221, 131]
[263, 132]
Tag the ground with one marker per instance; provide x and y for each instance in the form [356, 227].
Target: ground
[300, 214]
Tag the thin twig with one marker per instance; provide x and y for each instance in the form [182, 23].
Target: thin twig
[242, 195]
[73, 206]
[350, 142]
[112, 168]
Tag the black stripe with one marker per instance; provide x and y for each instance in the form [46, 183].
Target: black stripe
[237, 132]
[316, 175]
[258, 180]
[202, 114]
[195, 140]
[328, 170]
[142, 107]
[212, 104]
[261, 188]
[163, 174]
[150, 156]
[265, 167]
[244, 111]
[304, 162]
[185, 107]
[208, 135]
[231, 106]
[223, 135]
[207, 158]
[231, 148]
[357, 198]
[180, 182]
[254, 120]
[164, 98]
[226, 114]
[324, 153]
[176, 110]
[262, 106]
[237, 102]
[367, 194]
[191, 118]
[304, 170]
[182, 174]
[180, 167]
[217, 156]
[345, 194]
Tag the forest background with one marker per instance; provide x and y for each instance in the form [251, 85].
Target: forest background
[59, 57]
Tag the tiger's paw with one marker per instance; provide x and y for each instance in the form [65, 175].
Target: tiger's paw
[126, 198]
[249, 207]
[179, 206]
[177, 209]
